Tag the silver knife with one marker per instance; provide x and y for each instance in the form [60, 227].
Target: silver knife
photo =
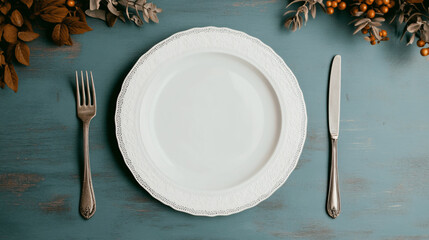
[333, 205]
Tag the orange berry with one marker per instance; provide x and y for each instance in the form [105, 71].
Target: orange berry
[338, 1]
[384, 9]
[370, 13]
[424, 52]
[367, 27]
[372, 38]
[373, 42]
[383, 33]
[334, 4]
[385, 2]
[421, 43]
[363, 7]
[369, 2]
[328, 3]
[364, 31]
[330, 10]
[391, 4]
[71, 3]
[379, 2]
[342, 5]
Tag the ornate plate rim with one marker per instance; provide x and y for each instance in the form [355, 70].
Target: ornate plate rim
[165, 200]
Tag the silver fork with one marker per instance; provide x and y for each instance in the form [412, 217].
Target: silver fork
[86, 110]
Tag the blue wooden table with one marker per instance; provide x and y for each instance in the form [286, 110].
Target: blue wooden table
[384, 140]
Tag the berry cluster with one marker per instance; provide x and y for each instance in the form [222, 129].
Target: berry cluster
[372, 7]
[333, 4]
[424, 51]
[373, 39]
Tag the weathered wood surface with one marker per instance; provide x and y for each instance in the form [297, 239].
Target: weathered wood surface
[384, 154]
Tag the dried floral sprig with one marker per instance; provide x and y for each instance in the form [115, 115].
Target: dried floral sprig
[15, 32]
[415, 15]
[297, 20]
[371, 14]
[138, 11]
[65, 17]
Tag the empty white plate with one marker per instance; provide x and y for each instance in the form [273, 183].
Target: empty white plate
[211, 121]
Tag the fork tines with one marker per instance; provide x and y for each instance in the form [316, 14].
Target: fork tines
[91, 100]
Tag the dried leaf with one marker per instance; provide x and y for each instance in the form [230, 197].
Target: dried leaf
[362, 21]
[2, 60]
[111, 19]
[112, 9]
[29, 3]
[75, 26]
[10, 33]
[10, 77]
[27, 36]
[54, 14]
[360, 27]
[376, 33]
[153, 17]
[145, 15]
[100, 14]
[22, 53]
[313, 11]
[412, 28]
[81, 15]
[379, 19]
[60, 35]
[5, 8]
[56, 3]
[401, 18]
[288, 22]
[284, 14]
[16, 18]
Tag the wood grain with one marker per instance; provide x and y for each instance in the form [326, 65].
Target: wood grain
[383, 144]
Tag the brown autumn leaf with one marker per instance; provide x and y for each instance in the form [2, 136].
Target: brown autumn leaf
[81, 14]
[61, 35]
[45, 3]
[22, 53]
[10, 77]
[27, 36]
[5, 8]
[111, 19]
[16, 18]
[29, 3]
[10, 33]
[75, 26]
[54, 14]
[2, 60]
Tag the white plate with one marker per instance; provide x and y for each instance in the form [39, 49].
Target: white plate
[211, 121]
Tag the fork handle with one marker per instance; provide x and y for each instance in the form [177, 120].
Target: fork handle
[333, 205]
[87, 197]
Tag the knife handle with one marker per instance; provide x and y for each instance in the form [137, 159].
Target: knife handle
[333, 205]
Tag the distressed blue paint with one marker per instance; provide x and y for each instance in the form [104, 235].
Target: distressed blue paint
[383, 141]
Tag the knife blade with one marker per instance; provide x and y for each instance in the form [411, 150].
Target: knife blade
[335, 97]
[333, 203]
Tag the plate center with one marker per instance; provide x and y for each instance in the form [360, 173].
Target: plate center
[213, 119]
